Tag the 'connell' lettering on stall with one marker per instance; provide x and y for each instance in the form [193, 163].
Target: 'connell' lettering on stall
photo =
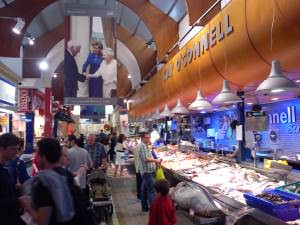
[207, 40]
[287, 117]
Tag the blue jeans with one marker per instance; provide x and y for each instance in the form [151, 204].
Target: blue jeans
[148, 193]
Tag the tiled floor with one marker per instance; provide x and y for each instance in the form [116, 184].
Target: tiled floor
[127, 207]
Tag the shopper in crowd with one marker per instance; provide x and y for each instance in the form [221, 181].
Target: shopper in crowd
[79, 161]
[147, 169]
[17, 167]
[137, 172]
[162, 210]
[71, 70]
[155, 137]
[96, 151]
[9, 207]
[236, 152]
[35, 163]
[113, 143]
[105, 142]
[81, 141]
[102, 136]
[94, 60]
[120, 154]
[51, 195]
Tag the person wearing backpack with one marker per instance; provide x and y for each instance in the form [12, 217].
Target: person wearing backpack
[53, 192]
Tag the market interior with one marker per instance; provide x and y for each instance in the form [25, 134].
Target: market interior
[149, 112]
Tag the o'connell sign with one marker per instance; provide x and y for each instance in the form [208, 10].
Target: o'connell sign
[208, 40]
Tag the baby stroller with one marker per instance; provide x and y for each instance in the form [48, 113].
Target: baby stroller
[100, 195]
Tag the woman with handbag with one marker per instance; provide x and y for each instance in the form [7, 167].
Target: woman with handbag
[120, 154]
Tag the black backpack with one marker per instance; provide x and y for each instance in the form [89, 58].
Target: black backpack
[83, 212]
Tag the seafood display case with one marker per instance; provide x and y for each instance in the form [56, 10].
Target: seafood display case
[227, 182]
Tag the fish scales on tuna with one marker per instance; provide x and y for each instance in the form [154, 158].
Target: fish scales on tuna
[194, 198]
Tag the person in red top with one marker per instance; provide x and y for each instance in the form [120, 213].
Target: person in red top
[162, 210]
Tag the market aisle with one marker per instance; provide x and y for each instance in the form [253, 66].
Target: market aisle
[127, 207]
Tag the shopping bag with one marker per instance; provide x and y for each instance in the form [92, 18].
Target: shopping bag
[159, 174]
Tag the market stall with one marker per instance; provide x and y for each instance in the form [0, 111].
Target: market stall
[226, 181]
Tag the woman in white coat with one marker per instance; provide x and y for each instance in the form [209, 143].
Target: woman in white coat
[108, 71]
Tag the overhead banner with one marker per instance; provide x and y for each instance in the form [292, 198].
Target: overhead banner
[90, 65]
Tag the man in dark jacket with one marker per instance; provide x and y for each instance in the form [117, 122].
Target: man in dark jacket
[71, 70]
[9, 205]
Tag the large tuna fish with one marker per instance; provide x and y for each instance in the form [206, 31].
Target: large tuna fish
[195, 199]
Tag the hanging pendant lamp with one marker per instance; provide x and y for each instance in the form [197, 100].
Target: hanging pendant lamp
[226, 96]
[179, 108]
[149, 117]
[200, 103]
[156, 115]
[166, 112]
[276, 82]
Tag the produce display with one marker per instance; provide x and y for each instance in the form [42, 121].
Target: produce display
[230, 180]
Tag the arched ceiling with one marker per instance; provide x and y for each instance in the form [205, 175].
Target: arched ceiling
[146, 57]
[139, 22]
[163, 29]
[47, 20]
[129, 20]
[125, 56]
[176, 9]
[29, 9]
[4, 3]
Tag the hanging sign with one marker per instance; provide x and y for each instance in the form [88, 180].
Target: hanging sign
[25, 100]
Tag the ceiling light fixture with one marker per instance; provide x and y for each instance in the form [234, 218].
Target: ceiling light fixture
[19, 26]
[31, 40]
[179, 108]
[149, 43]
[55, 75]
[249, 103]
[149, 117]
[129, 76]
[43, 65]
[226, 96]
[166, 112]
[200, 103]
[275, 99]
[276, 82]
[156, 115]
[298, 81]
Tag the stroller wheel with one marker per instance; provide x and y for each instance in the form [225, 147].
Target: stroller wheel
[111, 209]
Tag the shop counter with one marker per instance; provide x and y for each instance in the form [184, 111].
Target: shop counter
[229, 205]
[176, 172]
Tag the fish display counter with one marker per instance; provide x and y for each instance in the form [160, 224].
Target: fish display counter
[226, 181]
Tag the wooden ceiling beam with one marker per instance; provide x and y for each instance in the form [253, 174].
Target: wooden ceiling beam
[164, 30]
[146, 57]
[196, 9]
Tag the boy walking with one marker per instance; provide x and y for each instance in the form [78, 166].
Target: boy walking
[162, 210]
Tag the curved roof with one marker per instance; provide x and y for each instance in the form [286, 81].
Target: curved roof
[47, 20]
[176, 9]
[4, 3]
[129, 20]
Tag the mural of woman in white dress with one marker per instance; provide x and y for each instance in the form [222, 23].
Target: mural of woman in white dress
[108, 71]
